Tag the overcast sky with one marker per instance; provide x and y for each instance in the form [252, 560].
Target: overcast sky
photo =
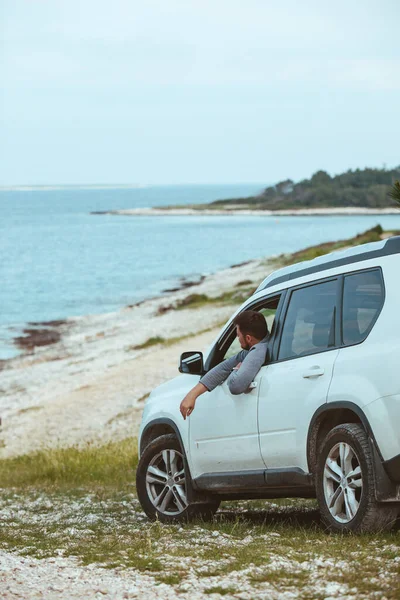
[196, 91]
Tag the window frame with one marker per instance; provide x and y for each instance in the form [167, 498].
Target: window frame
[285, 295]
[220, 347]
[341, 298]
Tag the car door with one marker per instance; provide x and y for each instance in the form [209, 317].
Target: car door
[223, 428]
[223, 432]
[297, 380]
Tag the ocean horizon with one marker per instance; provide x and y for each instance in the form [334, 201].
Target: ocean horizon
[58, 260]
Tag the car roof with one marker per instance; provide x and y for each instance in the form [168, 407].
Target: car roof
[332, 260]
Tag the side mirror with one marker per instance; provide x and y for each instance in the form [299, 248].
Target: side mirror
[192, 363]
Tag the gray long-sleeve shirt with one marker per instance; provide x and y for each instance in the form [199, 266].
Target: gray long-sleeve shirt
[238, 380]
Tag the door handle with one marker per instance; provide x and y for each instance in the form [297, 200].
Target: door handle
[315, 371]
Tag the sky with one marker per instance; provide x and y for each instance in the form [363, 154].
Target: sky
[196, 91]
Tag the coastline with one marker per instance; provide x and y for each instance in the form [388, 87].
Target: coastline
[236, 211]
[87, 380]
[90, 384]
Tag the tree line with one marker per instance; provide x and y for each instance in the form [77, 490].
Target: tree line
[364, 188]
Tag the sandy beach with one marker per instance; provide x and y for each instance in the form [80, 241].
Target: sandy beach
[91, 384]
[237, 210]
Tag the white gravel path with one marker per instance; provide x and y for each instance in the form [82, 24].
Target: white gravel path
[63, 579]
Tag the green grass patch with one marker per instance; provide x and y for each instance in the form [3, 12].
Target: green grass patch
[29, 409]
[232, 297]
[153, 341]
[170, 578]
[245, 282]
[171, 342]
[111, 464]
[222, 591]
[194, 301]
[278, 576]
[371, 235]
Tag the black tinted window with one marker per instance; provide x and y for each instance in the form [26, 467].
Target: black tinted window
[362, 301]
[310, 321]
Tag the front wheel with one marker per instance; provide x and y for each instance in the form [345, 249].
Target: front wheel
[346, 483]
[162, 483]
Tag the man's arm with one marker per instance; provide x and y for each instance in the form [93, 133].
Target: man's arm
[240, 379]
[209, 381]
[189, 401]
[221, 372]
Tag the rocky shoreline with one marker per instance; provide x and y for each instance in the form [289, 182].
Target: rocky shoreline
[85, 378]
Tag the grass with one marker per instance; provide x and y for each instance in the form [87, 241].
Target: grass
[222, 591]
[229, 298]
[371, 235]
[29, 409]
[111, 464]
[170, 578]
[194, 301]
[153, 341]
[169, 342]
[81, 502]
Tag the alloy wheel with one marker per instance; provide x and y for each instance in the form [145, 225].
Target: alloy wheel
[165, 482]
[342, 482]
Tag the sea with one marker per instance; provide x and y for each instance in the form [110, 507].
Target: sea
[58, 260]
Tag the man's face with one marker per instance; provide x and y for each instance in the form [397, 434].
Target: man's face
[244, 342]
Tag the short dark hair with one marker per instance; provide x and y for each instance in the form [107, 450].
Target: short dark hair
[253, 323]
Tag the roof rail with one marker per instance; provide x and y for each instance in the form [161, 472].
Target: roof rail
[333, 260]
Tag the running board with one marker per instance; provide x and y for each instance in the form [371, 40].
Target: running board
[236, 481]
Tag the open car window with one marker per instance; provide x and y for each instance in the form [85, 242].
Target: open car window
[269, 311]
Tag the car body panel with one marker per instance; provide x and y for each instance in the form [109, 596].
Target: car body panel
[268, 428]
[224, 432]
[288, 398]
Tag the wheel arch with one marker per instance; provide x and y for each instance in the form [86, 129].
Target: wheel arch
[327, 417]
[163, 426]
[155, 429]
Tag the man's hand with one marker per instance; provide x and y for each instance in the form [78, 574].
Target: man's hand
[237, 367]
[189, 401]
[188, 404]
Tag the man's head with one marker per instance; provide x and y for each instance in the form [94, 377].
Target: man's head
[251, 328]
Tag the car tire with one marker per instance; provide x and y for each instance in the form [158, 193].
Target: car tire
[162, 482]
[345, 483]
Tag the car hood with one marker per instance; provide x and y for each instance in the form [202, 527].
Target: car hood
[176, 387]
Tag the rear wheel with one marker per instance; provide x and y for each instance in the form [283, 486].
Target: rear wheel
[162, 482]
[346, 483]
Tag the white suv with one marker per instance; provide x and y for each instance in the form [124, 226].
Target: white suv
[322, 418]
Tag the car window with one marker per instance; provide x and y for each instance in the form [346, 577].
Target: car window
[269, 312]
[310, 321]
[363, 296]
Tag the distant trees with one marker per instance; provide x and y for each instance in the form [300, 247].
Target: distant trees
[320, 178]
[360, 188]
[395, 191]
